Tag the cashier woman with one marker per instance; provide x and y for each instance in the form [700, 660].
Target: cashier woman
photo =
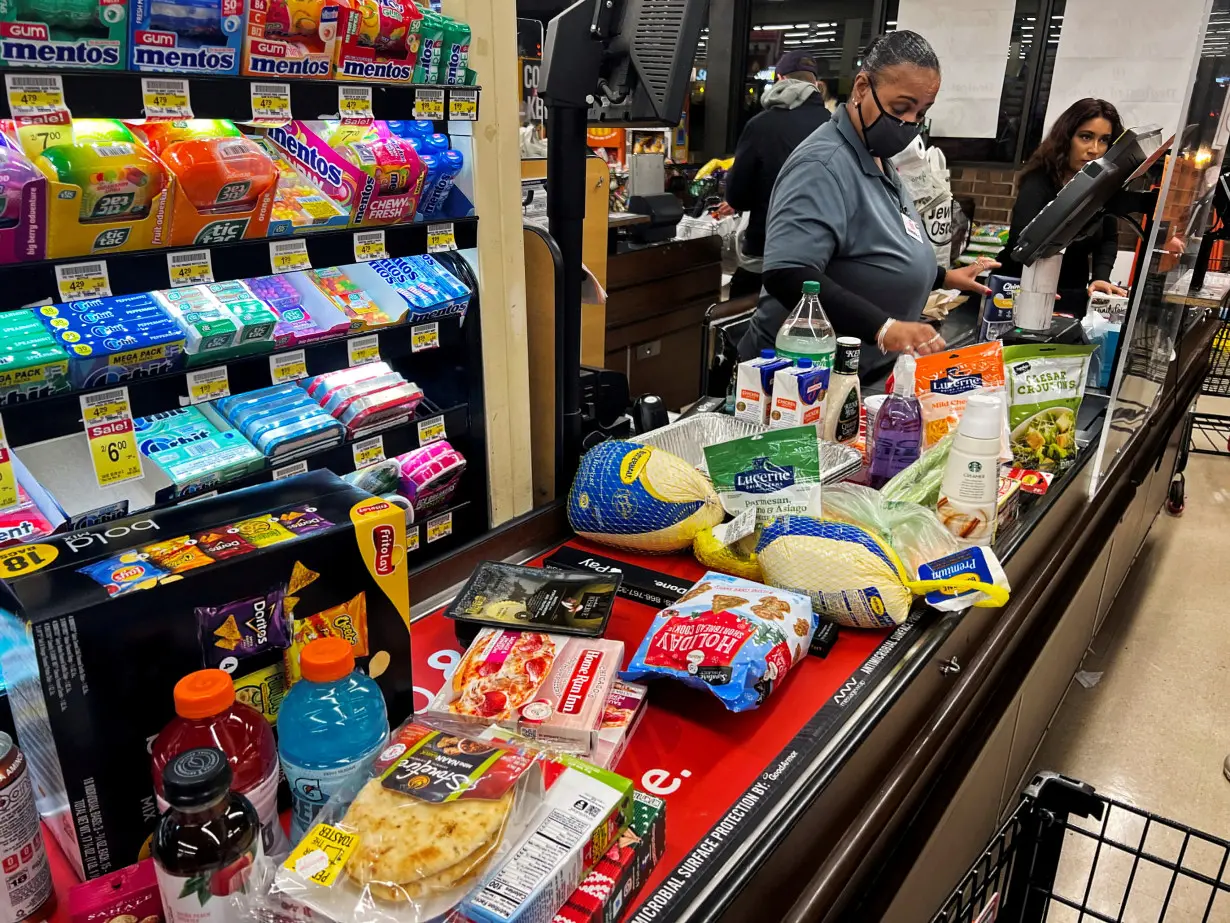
[839, 216]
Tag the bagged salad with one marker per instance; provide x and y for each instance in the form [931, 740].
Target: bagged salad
[1046, 385]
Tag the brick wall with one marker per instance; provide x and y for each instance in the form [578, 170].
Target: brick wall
[993, 190]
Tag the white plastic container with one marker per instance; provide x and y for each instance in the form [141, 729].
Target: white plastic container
[841, 403]
[970, 489]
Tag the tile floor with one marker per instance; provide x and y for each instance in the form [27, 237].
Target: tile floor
[1153, 732]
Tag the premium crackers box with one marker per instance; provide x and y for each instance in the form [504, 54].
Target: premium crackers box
[117, 614]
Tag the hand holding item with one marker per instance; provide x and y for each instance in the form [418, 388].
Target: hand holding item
[724, 211]
[1108, 288]
[965, 277]
[906, 337]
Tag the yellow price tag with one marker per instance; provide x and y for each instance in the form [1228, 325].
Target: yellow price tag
[165, 98]
[368, 452]
[271, 102]
[424, 337]
[34, 95]
[364, 349]
[112, 438]
[463, 105]
[429, 104]
[355, 102]
[78, 281]
[291, 366]
[412, 540]
[208, 384]
[431, 430]
[289, 256]
[26, 559]
[8, 481]
[322, 854]
[195, 267]
[440, 238]
[370, 245]
[41, 133]
[439, 527]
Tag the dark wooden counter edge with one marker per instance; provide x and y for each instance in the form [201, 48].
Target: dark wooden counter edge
[929, 763]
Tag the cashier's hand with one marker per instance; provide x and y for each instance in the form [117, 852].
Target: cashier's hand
[965, 278]
[1108, 288]
[916, 339]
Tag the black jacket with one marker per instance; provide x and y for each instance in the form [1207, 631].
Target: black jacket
[1085, 261]
[767, 140]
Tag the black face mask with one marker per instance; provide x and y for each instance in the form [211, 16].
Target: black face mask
[887, 135]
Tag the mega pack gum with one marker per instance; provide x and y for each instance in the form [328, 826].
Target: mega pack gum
[87, 618]
[290, 38]
[77, 33]
[186, 37]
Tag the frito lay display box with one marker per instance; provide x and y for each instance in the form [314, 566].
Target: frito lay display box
[119, 613]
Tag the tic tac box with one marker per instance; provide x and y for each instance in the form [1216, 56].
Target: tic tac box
[24, 209]
[116, 614]
[198, 38]
[289, 38]
[88, 33]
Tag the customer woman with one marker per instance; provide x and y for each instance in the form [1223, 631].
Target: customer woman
[1082, 134]
[839, 215]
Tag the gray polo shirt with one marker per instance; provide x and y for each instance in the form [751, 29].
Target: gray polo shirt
[834, 210]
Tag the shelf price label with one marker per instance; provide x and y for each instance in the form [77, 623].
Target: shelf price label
[208, 384]
[31, 95]
[165, 99]
[363, 350]
[431, 430]
[412, 539]
[78, 281]
[284, 367]
[290, 471]
[463, 105]
[8, 480]
[271, 103]
[440, 238]
[370, 245]
[192, 267]
[288, 256]
[424, 337]
[368, 452]
[439, 528]
[112, 438]
[429, 104]
[355, 102]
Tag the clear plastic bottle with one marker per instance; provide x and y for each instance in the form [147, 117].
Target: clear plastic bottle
[331, 726]
[807, 333]
[897, 432]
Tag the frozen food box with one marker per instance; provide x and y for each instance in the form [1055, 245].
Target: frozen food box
[116, 614]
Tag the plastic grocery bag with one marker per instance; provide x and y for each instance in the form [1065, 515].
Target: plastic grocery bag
[912, 531]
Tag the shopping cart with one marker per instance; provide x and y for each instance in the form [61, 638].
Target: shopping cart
[1069, 855]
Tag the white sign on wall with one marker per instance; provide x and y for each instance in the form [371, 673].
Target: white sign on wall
[971, 38]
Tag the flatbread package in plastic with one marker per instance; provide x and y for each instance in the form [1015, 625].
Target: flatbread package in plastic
[437, 813]
[734, 637]
[641, 498]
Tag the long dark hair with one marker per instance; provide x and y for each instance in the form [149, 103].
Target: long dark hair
[1053, 153]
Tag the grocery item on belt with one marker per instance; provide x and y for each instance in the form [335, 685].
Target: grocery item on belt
[625, 707]
[737, 559]
[912, 531]
[732, 636]
[1045, 387]
[777, 473]
[920, 482]
[943, 382]
[545, 599]
[642, 498]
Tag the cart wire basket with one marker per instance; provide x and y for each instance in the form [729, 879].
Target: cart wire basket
[1210, 431]
[1069, 855]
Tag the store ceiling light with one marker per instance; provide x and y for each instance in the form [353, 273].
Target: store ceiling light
[772, 28]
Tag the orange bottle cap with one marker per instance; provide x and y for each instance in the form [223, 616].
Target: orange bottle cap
[326, 659]
[204, 694]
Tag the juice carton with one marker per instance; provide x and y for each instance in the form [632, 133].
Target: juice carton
[798, 395]
[290, 38]
[78, 33]
[754, 387]
[186, 37]
[378, 40]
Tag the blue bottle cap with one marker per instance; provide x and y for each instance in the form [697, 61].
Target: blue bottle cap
[768, 354]
[803, 363]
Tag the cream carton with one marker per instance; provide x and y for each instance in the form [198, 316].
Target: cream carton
[798, 395]
[754, 387]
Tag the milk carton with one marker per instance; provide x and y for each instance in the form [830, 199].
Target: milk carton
[798, 395]
[754, 386]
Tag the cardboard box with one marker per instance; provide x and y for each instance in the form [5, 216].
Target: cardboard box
[156, 45]
[289, 38]
[26, 194]
[359, 60]
[31, 42]
[92, 685]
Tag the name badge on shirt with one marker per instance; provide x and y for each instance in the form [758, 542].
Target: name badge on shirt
[911, 228]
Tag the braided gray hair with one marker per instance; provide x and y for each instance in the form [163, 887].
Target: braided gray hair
[904, 47]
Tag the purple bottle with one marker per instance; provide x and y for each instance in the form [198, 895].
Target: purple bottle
[897, 431]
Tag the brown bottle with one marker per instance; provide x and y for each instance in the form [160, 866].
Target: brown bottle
[30, 896]
[206, 844]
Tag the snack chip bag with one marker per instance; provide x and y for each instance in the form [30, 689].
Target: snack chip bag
[944, 381]
[734, 637]
[347, 621]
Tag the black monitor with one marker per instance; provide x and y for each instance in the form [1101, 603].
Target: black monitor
[1065, 218]
[628, 61]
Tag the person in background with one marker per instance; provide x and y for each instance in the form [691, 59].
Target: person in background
[830, 95]
[840, 216]
[1082, 134]
[793, 109]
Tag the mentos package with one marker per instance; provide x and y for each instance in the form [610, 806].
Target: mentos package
[732, 636]
[378, 41]
[87, 33]
[427, 287]
[186, 36]
[290, 38]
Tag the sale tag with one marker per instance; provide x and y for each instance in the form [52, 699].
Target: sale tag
[322, 854]
[369, 245]
[208, 384]
[289, 256]
[192, 267]
[78, 281]
[112, 438]
[290, 471]
[424, 337]
[271, 103]
[412, 539]
[355, 102]
[363, 350]
[439, 527]
[34, 95]
[284, 367]
[440, 238]
[8, 480]
[429, 104]
[431, 430]
[463, 105]
[368, 452]
[165, 98]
